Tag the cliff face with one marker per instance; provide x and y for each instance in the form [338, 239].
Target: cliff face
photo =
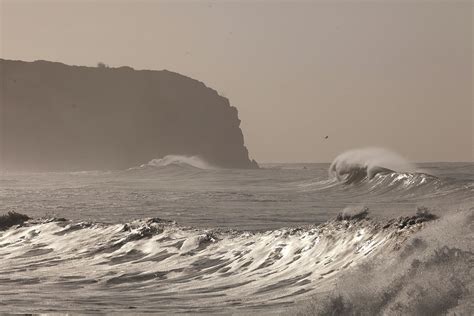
[59, 117]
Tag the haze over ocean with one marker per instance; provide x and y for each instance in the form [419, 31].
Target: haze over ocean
[395, 74]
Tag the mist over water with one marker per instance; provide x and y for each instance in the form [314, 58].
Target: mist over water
[178, 235]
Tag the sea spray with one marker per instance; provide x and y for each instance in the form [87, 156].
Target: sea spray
[177, 160]
[357, 164]
[429, 274]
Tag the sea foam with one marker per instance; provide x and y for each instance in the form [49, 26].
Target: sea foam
[177, 160]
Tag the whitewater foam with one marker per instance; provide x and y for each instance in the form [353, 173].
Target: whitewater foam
[358, 164]
[161, 263]
[177, 160]
[430, 274]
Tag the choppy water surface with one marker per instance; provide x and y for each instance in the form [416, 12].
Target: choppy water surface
[274, 197]
[244, 241]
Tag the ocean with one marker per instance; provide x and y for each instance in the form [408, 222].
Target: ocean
[177, 235]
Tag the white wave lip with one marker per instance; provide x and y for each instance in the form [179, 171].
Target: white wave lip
[367, 162]
[178, 160]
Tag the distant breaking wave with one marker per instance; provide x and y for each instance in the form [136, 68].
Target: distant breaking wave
[382, 171]
[177, 160]
[358, 164]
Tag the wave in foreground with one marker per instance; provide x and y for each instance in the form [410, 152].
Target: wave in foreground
[156, 265]
[431, 274]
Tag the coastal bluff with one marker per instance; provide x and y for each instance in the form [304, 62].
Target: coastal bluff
[56, 117]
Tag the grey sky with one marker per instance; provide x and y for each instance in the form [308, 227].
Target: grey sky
[395, 74]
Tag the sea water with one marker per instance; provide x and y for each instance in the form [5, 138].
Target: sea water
[179, 235]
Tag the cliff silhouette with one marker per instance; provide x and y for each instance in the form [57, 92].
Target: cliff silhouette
[59, 117]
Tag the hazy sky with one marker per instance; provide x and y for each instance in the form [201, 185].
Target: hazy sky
[396, 74]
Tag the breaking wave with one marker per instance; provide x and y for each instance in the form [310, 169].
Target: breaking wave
[357, 165]
[159, 263]
[381, 170]
[176, 160]
[431, 274]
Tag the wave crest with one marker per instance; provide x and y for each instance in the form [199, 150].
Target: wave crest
[177, 160]
[159, 262]
[256, 267]
[357, 165]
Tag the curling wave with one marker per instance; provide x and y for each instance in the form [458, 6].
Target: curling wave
[357, 165]
[381, 169]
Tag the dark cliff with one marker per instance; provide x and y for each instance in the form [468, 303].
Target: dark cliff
[59, 117]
